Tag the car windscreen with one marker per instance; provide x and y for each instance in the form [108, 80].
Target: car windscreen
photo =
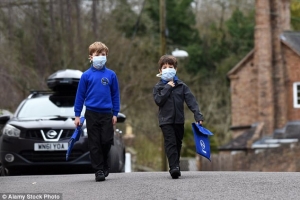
[47, 106]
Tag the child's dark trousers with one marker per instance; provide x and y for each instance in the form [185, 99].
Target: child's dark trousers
[100, 138]
[173, 135]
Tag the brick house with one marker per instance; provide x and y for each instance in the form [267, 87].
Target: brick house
[265, 84]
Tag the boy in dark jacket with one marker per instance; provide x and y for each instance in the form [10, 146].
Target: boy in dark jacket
[169, 94]
[98, 90]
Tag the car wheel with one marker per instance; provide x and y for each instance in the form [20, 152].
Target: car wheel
[123, 161]
[113, 160]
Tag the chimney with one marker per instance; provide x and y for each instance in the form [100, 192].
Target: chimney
[280, 21]
[263, 63]
[286, 15]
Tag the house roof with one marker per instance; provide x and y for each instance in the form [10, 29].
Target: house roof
[246, 139]
[267, 142]
[252, 139]
[289, 131]
[241, 63]
[291, 39]
[239, 143]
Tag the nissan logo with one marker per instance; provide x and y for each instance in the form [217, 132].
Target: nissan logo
[51, 134]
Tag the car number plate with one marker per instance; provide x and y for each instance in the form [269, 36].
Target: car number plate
[50, 146]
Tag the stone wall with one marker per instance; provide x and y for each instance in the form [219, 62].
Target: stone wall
[285, 158]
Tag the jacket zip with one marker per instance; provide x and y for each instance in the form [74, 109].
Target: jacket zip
[174, 116]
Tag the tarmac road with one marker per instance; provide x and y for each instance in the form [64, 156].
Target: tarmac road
[157, 185]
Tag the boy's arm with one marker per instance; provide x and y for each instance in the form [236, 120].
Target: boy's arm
[80, 96]
[115, 96]
[161, 96]
[192, 104]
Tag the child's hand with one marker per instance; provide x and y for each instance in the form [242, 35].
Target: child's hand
[114, 120]
[171, 83]
[77, 121]
[200, 122]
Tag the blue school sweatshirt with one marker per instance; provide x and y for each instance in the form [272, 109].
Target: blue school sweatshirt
[98, 90]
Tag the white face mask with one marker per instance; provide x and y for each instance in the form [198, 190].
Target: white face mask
[99, 61]
[168, 74]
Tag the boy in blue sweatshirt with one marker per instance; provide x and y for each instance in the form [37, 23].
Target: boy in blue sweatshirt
[169, 94]
[98, 90]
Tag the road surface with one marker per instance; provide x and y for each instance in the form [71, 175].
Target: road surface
[156, 185]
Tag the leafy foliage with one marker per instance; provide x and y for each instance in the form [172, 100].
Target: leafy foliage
[180, 21]
[295, 15]
[235, 38]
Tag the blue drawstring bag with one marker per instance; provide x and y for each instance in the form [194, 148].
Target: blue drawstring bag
[75, 137]
[201, 140]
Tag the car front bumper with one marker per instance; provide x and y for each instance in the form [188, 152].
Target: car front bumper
[19, 155]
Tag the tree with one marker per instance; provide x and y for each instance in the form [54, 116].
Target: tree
[295, 15]
[234, 37]
[180, 22]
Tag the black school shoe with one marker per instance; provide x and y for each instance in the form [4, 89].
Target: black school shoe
[106, 168]
[106, 172]
[175, 172]
[99, 176]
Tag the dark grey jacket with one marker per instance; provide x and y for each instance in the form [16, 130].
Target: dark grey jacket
[170, 101]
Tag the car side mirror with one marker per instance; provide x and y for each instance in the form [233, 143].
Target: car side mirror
[4, 119]
[121, 117]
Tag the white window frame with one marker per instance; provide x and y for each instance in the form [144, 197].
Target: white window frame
[295, 94]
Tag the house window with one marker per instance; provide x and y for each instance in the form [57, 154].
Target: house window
[296, 91]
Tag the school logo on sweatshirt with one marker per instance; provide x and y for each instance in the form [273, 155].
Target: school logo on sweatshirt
[104, 81]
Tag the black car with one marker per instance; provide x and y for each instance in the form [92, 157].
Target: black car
[35, 139]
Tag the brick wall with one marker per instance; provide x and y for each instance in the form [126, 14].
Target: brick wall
[244, 95]
[293, 75]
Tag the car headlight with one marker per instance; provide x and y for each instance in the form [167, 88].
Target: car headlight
[11, 131]
[85, 132]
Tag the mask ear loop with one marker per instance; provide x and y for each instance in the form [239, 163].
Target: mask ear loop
[158, 75]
